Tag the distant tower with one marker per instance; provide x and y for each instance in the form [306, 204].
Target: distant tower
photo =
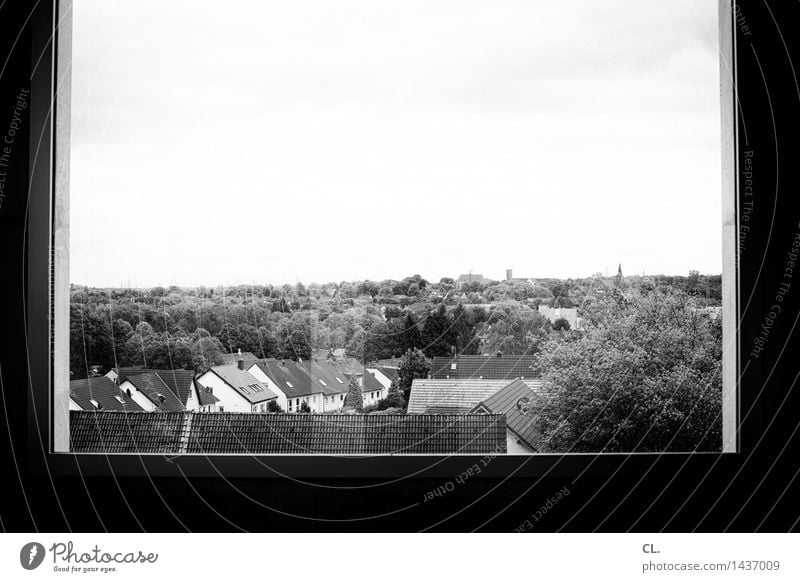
[509, 274]
[618, 278]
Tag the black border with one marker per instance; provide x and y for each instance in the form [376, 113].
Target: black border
[745, 491]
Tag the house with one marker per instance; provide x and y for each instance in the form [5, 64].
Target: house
[206, 401]
[385, 376]
[497, 367]
[469, 278]
[178, 433]
[450, 396]
[555, 313]
[99, 393]
[237, 390]
[150, 392]
[517, 402]
[371, 388]
[317, 383]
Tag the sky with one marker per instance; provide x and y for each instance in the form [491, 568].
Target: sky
[315, 141]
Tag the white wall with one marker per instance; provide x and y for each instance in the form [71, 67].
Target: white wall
[137, 396]
[259, 374]
[229, 399]
[385, 381]
[514, 447]
[74, 405]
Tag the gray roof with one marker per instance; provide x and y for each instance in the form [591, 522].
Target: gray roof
[504, 367]
[244, 383]
[519, 402]
[104, 391]
[157, 391]
[450, 394]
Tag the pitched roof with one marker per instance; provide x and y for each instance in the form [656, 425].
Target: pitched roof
[349, 366]
[296, 434]
[179, 382]
[371, 383]
[123, 373]
[466, 277]
[120, 432]
[454, 394]
[518, 402]
[204, 396]
[151, 385]
[102, 390]
[326, 375]
[244, 383]
[505, 367]
[390, 373]
[290, 377]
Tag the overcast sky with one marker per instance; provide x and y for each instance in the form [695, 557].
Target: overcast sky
[271, 142]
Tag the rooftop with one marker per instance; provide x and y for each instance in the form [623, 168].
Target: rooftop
[102, 390]
[157, 391]
[430, 396]
[295, 434]
[503, 367]
[244, 383]
[517, 402]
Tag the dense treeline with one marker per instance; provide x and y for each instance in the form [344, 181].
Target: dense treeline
[191, 327]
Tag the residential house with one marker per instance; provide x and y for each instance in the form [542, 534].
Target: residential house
[450, 396]
[99, 393]
[179, 433]
[518, 402]
[320, 385]
[469, 278]
[236, 389]
[555, 313]
[150, 392]
[497, 367]
[384, 375]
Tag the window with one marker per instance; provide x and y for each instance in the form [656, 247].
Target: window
[341, 397]
[289, 384]
[453, 366]
[119, 399]
[323, 382]
[339, 380]
[96, 404]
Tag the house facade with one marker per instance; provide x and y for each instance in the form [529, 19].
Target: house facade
[237, 390]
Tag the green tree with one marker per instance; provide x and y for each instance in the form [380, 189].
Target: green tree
[466, 340]
[413, 365]
[437, 334]
[354, 399]
[644, 376]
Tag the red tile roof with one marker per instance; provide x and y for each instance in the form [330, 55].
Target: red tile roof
[297, 434]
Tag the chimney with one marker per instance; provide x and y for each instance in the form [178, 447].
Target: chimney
[241, 361]
[499, 354]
